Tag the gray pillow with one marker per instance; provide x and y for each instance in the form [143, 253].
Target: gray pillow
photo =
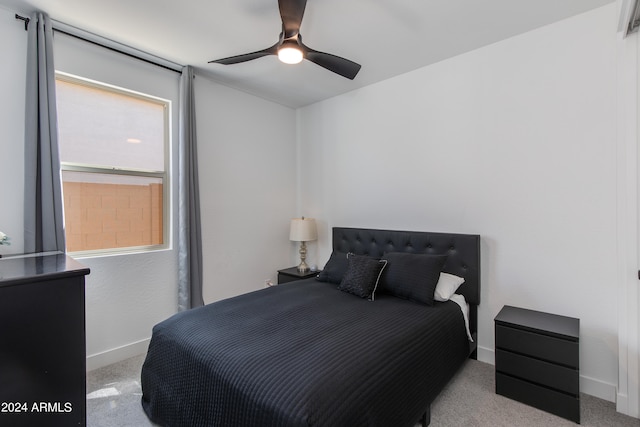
[334, 269]
[412, 276]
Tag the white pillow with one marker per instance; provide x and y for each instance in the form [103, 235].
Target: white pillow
[447, 285]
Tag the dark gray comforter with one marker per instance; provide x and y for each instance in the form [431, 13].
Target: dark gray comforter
[301, 354]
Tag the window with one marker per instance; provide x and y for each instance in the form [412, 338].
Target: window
[113, 146]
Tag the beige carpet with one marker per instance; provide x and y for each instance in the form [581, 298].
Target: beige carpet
[113, 400]
[470, 400]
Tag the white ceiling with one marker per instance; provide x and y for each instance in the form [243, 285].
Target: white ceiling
[387, 37]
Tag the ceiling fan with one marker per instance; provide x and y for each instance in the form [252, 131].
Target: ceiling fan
[290, 48]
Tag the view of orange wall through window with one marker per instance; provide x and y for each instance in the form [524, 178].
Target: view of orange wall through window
[101, 215]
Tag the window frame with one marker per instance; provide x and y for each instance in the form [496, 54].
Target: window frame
[165, 175]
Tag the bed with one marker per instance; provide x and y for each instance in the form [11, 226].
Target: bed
[315, 352]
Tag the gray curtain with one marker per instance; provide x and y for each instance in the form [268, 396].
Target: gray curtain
[189, 240]
[43, 209]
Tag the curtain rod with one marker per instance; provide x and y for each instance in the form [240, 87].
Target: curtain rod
[109, 44]
[25, 19]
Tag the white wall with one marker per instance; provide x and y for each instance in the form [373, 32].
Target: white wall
[247, 178]
[247, 157]
[13, 45]
[516, 142]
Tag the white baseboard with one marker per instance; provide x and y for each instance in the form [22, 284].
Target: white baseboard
[119, 354]
[590, 386]
[486, 355]
[623, 405]
[598, 388]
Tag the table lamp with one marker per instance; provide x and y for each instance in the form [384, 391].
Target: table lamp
[303, 230]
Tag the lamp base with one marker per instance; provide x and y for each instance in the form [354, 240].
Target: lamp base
[303, 267]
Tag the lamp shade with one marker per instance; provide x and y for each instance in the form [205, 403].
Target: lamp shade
[303, 230]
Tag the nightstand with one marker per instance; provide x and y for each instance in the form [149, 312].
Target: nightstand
[291, 274]
[537, 360]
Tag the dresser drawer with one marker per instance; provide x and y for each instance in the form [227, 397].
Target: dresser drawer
[552, 401]
[544, 347]
[538, 371]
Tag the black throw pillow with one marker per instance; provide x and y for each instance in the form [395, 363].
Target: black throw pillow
[362, 275]
[412, 276]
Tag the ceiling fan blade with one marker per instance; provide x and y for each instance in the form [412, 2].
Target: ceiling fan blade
[338, 65]
[273, 50]
[291, 12]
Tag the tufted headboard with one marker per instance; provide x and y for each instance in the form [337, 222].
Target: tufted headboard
[463, 252]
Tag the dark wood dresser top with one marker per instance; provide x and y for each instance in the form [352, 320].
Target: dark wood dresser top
[540, 322]
[23, 269]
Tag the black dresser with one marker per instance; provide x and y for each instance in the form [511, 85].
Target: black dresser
[537, 360]
[42, 342]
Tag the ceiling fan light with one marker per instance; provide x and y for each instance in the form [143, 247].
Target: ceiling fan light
[290, 54]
